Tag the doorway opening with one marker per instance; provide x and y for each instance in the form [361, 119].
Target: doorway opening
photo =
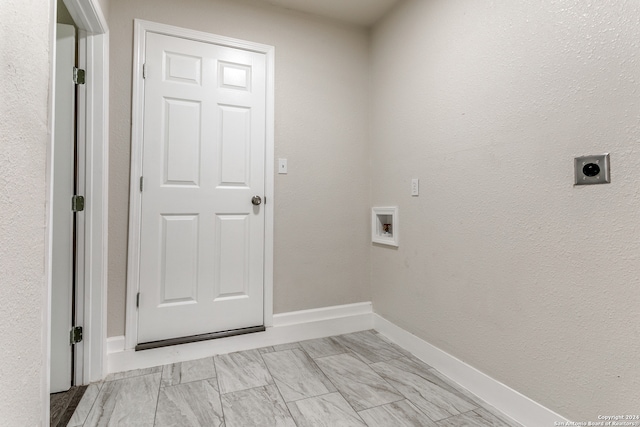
[64, 330]
[77, 166]
[64, 233]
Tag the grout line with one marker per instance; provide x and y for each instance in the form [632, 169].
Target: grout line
[407, 357]
[456, 415]
[351, 406]
[407, 398]
[275, 384]
[215, 370]
[155, 414]
[162, 375]
[334, 384]
[324, 394]
[92, 404]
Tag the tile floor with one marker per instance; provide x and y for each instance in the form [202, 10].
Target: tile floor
[358, 379]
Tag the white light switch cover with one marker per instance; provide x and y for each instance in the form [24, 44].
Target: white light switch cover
[282, 166]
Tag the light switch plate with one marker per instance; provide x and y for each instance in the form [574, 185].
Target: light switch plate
[592, 169]
[282, 166]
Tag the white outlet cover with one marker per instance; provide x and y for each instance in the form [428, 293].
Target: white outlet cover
[415, 187]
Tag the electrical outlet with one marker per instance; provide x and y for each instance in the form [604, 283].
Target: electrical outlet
[592, 169]
[415, 187]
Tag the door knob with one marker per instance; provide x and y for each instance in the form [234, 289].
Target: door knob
[256, 200]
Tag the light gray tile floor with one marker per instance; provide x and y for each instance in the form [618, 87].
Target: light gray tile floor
[186, 372]
[358, 379]
[357, 382]
[82, 410]
[296, 375]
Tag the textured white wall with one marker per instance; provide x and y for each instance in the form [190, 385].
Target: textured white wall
[24, 138]
[321, 212]
[502, 262]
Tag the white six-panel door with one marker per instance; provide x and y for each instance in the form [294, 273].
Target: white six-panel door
[201, 238]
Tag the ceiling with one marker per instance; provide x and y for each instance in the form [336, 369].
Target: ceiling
[360, 12]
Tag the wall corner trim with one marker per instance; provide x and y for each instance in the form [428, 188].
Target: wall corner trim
[505, 399]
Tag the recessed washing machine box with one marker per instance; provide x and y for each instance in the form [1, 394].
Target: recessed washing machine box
[384, 225]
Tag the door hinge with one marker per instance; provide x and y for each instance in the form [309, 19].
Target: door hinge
[77, 203]
[144, 70]
[138, 300]
[141, 183]
[78, 76]
[75, 335]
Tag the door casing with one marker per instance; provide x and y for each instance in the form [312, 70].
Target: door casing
[92, 128]
[141, 27]
[93, 183]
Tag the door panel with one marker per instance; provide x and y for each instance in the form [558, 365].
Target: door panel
[202, 241]
[179, 259]
[182, 142]
[232, 261]
[235, 149]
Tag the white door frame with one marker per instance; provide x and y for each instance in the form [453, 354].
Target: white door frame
[133, 268]
[93, 156]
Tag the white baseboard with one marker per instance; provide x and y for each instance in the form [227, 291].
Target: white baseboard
[322, 314]
[115, 344]
[508, 401]
[287, 328]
